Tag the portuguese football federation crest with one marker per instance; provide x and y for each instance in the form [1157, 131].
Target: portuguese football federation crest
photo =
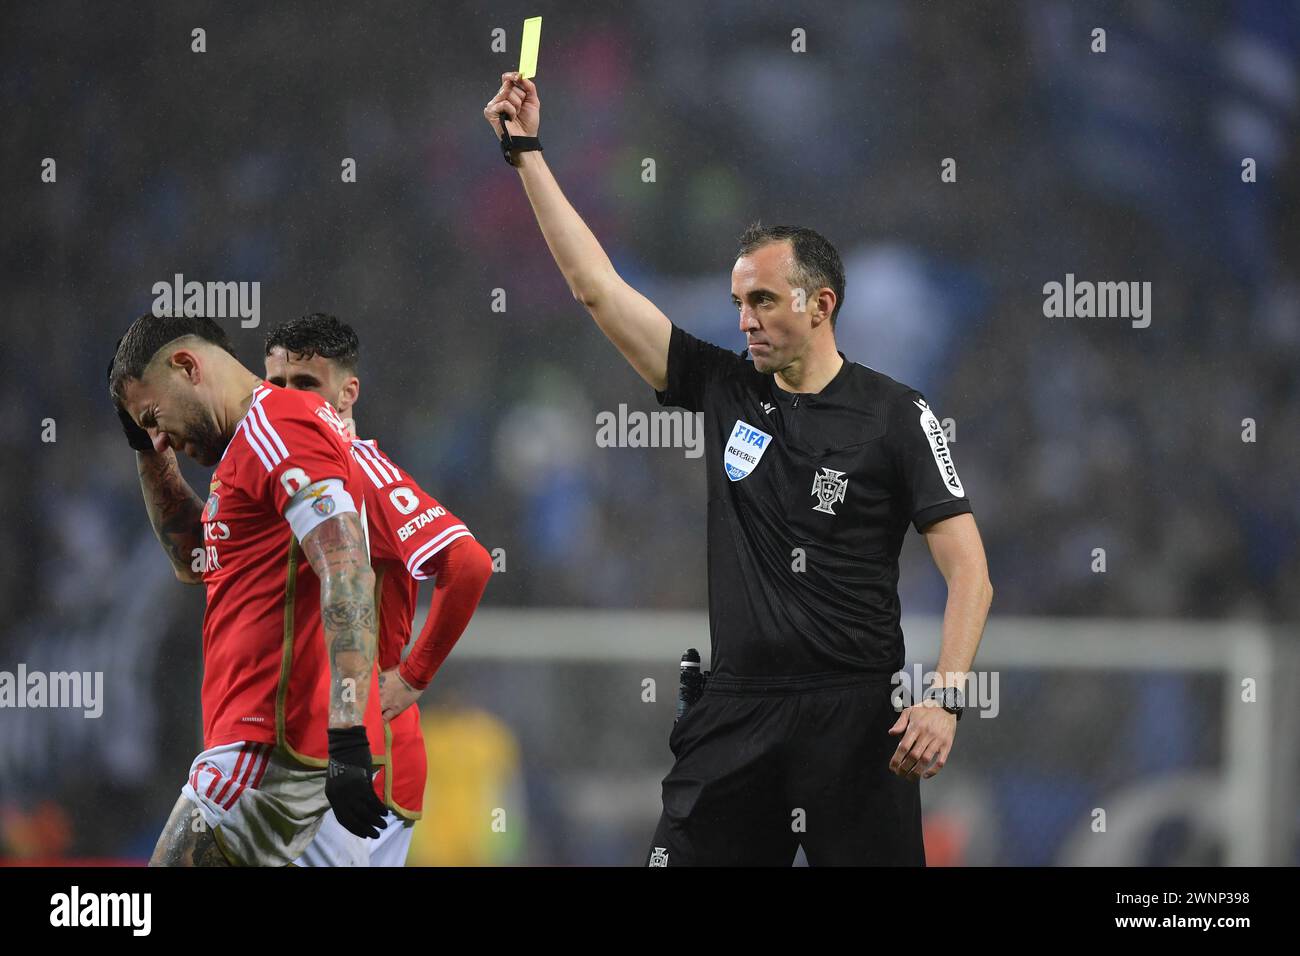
[829, 487]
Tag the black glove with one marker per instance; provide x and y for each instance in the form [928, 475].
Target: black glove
[136, 436]
[348, 787]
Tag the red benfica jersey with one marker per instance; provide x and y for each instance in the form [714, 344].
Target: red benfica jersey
[265, 668]
[407, 527]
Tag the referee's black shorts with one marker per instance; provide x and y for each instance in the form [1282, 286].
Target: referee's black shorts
[763, 767]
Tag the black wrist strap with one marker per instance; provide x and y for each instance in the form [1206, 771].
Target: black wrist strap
[941, 694]
[516, 144]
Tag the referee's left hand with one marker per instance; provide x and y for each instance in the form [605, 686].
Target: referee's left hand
[927, 731]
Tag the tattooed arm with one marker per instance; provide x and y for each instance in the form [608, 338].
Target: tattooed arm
[337, 551]
[175, 511]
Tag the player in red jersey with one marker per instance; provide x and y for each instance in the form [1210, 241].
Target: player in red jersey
[412, 537]
[288, 645]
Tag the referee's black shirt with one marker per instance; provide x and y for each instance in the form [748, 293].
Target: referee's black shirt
[839, 474]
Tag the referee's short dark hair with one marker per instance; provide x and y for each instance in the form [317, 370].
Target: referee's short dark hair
[816, 261]
[317, 333]
[148, 334]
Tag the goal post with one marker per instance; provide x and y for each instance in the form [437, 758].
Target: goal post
[1252, 801]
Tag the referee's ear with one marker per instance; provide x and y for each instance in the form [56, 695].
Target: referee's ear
[822, 307]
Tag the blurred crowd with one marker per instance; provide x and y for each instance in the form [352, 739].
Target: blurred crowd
[1071, 434]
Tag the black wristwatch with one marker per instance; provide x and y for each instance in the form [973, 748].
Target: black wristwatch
[515, 144]
[950, 698]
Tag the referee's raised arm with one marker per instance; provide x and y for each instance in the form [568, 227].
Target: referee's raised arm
[631, 321]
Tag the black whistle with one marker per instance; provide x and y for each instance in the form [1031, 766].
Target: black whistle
[691, 685]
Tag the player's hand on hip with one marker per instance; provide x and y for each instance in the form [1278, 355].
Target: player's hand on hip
[517, 98]
[395, 694]
[927, 732]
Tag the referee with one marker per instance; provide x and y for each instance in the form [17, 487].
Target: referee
[816, 466]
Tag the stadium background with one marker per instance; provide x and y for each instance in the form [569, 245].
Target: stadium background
[1072, 434]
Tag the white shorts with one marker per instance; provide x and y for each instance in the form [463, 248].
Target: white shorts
[387, 849]
[263, 807]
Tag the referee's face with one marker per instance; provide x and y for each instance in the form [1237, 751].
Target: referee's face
[776, 329]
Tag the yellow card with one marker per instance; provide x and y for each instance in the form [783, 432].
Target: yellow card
[528, 47]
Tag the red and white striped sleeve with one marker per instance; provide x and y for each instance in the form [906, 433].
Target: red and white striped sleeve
[419, 527]
[303, 456]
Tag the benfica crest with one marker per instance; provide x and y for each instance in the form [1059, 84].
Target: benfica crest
[829, 487]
